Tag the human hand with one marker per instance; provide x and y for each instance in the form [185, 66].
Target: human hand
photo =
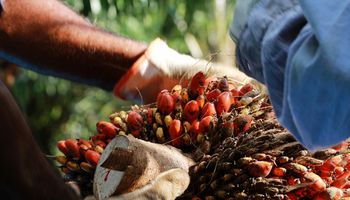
[161, 67]
[137, 169]
[167, 185]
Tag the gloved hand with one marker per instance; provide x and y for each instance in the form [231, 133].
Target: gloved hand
[167, 185]
[161, 68]
[137, 169]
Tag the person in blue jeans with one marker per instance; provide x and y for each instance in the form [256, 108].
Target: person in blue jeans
[298, 49]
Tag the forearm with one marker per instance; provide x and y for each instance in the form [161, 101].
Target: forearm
[46, 36]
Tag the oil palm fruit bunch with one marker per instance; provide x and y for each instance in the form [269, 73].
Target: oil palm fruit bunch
[206, 111]
[229, 129]
[196, 119]
[267, 162]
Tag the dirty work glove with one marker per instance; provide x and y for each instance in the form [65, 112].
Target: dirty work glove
[167, 185]
[161, 68]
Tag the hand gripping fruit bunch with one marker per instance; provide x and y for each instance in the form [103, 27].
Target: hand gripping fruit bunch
[229, 129]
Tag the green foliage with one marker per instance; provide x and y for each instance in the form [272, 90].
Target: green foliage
[58, 109]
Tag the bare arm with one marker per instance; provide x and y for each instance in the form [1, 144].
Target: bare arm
[48, 37]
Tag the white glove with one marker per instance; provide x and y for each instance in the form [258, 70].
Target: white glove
[168, 185]
[161, 68]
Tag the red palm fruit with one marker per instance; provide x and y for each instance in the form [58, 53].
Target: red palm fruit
[347, 167]
[87, 143]
[100, 143]
[223, 84]
[191, 111]
[279, 171]
[208, 110]
[292, 196]
[134, 121]
[223, 103]
[196, 85]
[165, 102]
[317, 183]
[107, 129]
[341, 146]
[302, 192]
[82, 149]
[331, 163]
[338, 171]
[177, 98]
[246, 88]
[149, 116]
[291, 180]
[242, 123]
[331, 193]
[92, 157]
[228, 128]
[201, 90]
[61, 159]
[344, 176]
[324, 174]
[175, 131]
[73, 166]
[339, 183]
[73, 148]
[213, 94]
[235, 96]
[61, 145]
[200, 100]
[260, 168]
[98, 137]
[86, 167]
[194, 130]
[206, 124]
[136, 133]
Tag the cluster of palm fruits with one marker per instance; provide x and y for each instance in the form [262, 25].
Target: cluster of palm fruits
[267, 163]
[241, 152]
[194, 118]
[209, 109]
